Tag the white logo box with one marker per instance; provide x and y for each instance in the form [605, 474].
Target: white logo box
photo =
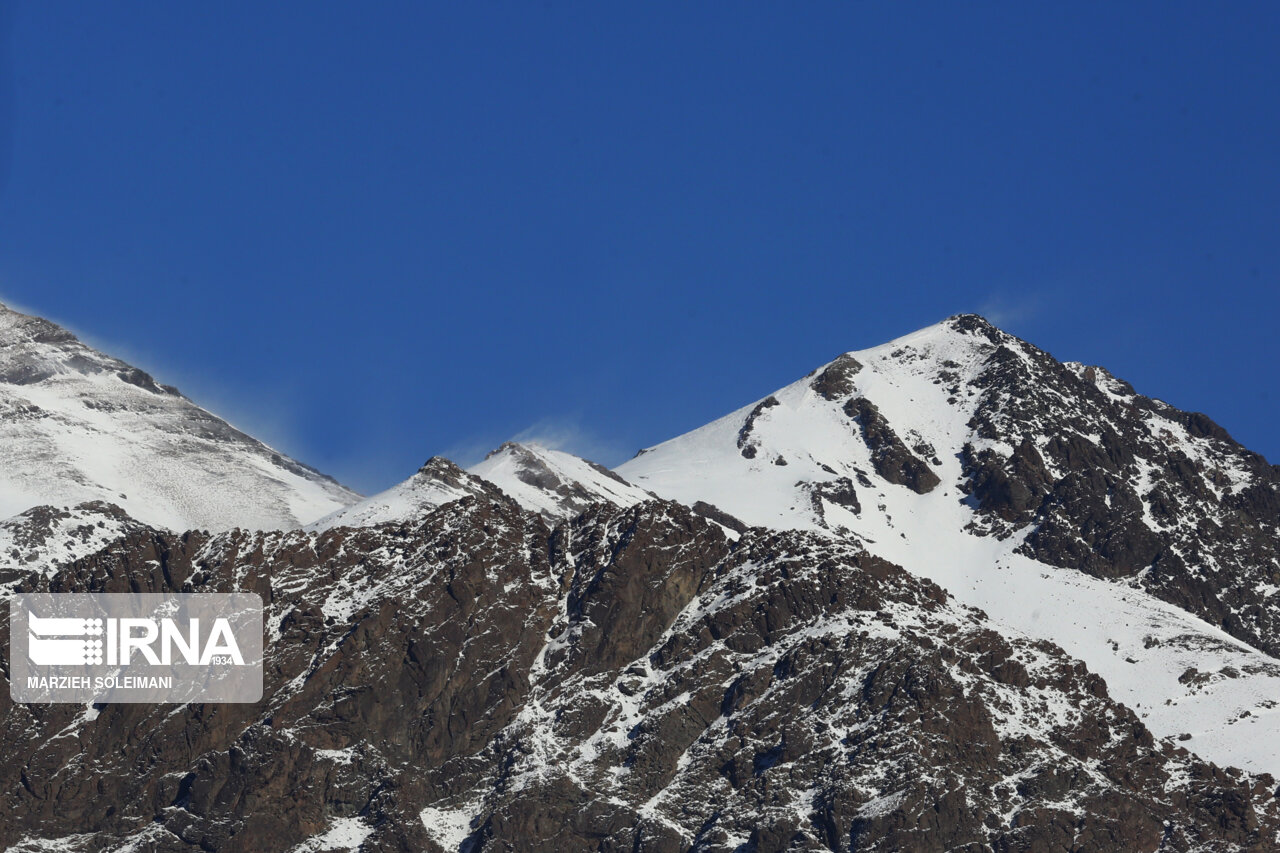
[135, 647]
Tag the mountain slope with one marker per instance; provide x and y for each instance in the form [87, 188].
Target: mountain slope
[632, 679]
[77, 426]
[1028, 488]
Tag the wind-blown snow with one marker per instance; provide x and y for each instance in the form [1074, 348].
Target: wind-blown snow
[77, 426]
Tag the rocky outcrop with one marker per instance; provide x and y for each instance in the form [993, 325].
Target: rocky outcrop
[839, 491]
[836, 381]
[631, 679]
[719, 516]
[45, 537]
[746, 444]
[892, 459]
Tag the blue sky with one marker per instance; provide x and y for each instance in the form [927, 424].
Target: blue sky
[375, 232]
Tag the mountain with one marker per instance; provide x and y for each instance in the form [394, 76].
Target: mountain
[436, 483]
[944, 594]
[1139, 538]
[78, 426]
[552, 483]
[629, 679]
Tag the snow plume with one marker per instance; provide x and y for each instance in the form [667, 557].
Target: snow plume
[568, 434]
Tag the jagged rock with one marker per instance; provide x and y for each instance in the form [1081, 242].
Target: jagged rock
[839, 491]
[719, 516]
[1011, 488]
[836, 382]
[1085, 444]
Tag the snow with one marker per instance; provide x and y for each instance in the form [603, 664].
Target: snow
[151, 838]
[553, 483]
[437, 483]
[69, 844]
[447, 828]
[1105, 624]
[72, 429]
[513, 466]
[344, 833]
[881, 806]
[337, 756]
[44, 538]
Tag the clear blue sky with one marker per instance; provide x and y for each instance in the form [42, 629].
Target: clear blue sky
[376, 232]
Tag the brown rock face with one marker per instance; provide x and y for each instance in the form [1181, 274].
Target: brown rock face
[632, 679]
[1120, 486]
[835, 382]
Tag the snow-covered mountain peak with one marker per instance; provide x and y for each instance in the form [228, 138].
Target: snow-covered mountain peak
[958, 346]
[77, 425]
[34, 350]
[799, 457]
[554, 483]
[1026, 487]
[438, 482]
[957, 333]
[440, 468]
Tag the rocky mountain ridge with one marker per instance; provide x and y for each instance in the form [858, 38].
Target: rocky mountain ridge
[461, 683]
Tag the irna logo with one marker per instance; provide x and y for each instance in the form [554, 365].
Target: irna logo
[107, 647]
[66, 641]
